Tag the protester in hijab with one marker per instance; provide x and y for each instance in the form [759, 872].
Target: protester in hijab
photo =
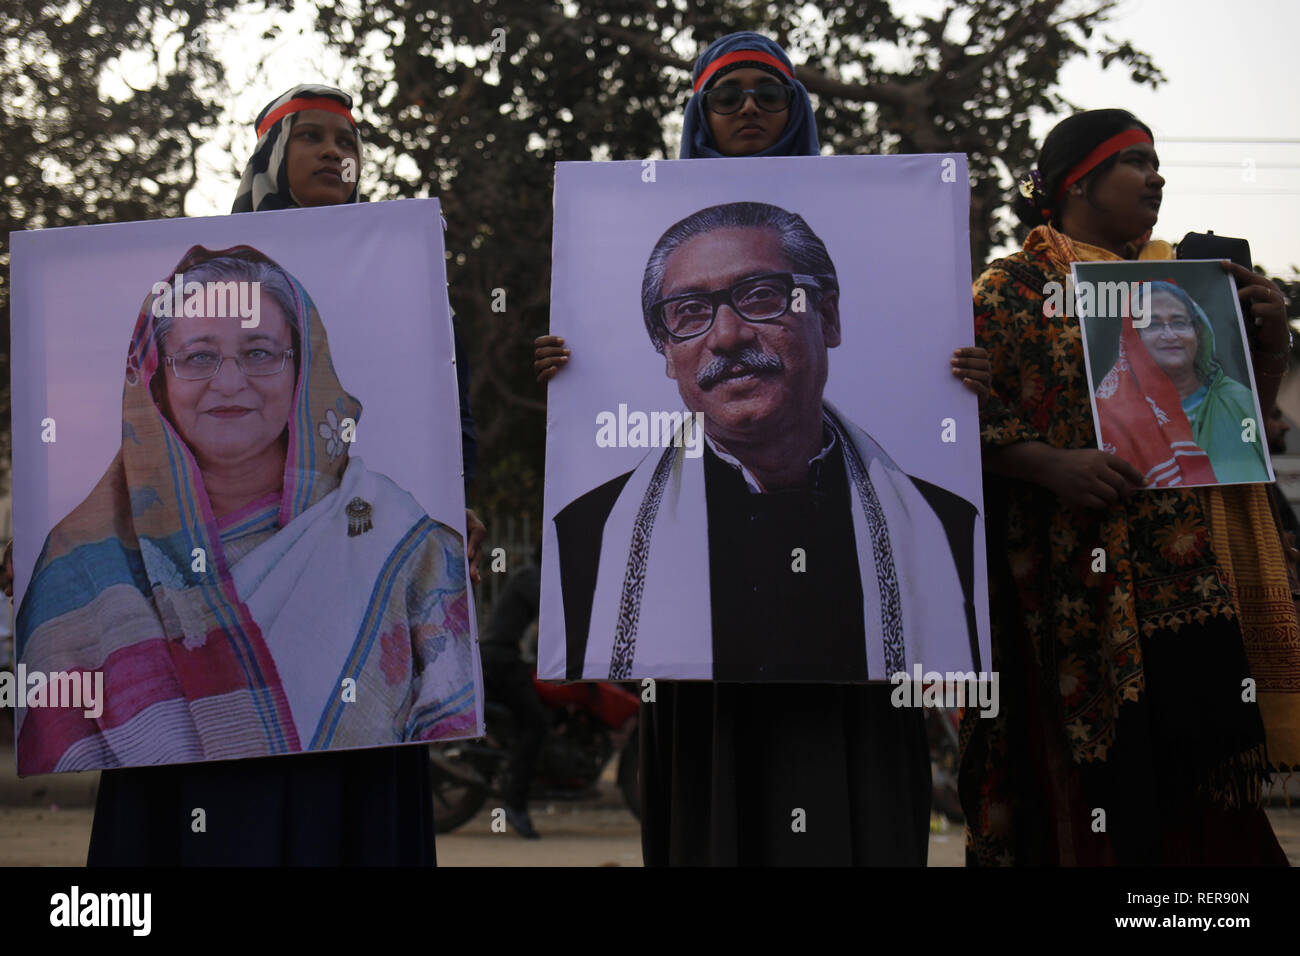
[361, 807]
[724, 764]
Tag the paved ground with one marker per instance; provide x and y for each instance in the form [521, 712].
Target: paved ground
[571, 836]
[45, 821]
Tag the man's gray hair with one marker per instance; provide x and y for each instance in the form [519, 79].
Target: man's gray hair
[274, 281]
[801, 246]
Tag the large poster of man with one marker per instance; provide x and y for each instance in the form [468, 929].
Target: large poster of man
[217, 554]
[1173, 390]
[759, 465]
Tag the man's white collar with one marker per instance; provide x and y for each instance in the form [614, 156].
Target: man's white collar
[756, 486]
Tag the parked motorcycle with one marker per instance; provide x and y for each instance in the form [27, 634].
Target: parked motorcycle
[588, 723]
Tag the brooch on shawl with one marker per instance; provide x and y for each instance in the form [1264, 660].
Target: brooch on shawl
[358, 513]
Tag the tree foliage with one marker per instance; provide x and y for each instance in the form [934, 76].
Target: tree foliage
[474, 100]
[485, 95]
[70, 154]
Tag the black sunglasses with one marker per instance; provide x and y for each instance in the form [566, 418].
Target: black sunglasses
[770, 97]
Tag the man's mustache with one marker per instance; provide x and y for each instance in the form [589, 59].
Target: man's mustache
[749, 359]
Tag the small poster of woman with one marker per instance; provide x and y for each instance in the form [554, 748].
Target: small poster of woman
[1173, 390]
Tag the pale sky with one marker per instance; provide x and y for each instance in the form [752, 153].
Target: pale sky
[1230, 98]
[1226, 121]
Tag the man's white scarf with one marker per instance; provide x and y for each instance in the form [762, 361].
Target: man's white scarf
[652, 613]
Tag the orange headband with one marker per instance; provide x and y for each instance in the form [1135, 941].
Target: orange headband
[300, 103]
[736, 56]
[1107, 149]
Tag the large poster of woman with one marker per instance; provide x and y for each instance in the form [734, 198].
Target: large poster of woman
[1173, 390]
[236, 561]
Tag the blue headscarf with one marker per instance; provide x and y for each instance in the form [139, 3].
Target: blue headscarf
[799, 138]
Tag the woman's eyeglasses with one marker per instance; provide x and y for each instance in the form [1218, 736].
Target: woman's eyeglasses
[201, 363]
[770, 97]
[1179, 326]
[760, 298]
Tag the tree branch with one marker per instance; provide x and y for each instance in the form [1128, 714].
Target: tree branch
[816, 81]
[1033, 20]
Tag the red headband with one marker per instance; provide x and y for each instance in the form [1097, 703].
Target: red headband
[300, 103]
[1107, 149]
[737, 56]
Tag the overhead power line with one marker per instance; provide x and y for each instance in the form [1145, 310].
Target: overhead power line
[1271, 140]
[1235, 192]
[1220, 164]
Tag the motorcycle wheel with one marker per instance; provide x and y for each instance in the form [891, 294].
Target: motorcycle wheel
[459, 790]
[629, 766]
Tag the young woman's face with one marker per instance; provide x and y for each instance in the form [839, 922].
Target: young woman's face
[750, 129]
[1127, 196]
[322, 159]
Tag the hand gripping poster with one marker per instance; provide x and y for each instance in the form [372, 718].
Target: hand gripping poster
[759, 465]
[238, 505]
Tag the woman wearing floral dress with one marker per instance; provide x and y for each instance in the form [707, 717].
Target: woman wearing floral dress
[1126, 622]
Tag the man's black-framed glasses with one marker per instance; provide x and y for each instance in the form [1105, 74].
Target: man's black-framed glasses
[760, 298]
[199, 364]
[770, 97]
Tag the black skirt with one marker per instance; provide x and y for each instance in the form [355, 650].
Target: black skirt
[727, 768]
[355, 807]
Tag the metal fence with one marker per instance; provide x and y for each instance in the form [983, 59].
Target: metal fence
[517, 536]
